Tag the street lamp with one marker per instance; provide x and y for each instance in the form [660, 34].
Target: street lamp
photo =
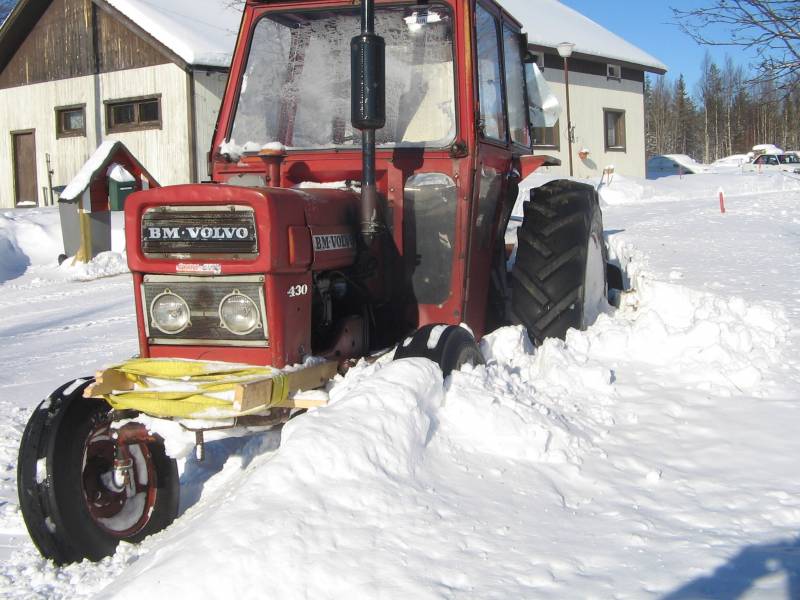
[565, 51]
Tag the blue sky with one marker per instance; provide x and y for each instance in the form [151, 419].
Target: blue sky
[648, 24]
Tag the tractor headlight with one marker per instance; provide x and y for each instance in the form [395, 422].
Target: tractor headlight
[169, 312]
[239, 313]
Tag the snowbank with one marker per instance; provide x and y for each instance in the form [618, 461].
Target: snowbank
[29, 237]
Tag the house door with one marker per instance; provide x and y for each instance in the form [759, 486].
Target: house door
[25, 184]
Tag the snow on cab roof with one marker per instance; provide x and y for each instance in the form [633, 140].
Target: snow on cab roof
[201, 32]
[548, 23]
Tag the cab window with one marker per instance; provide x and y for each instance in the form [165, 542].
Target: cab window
[515, 87]
[490, 84]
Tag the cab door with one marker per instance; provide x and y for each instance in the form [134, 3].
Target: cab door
[503, 132]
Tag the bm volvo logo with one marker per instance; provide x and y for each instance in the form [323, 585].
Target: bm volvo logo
[341, 241]
[203, 234]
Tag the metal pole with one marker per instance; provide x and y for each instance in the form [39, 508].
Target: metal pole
[569, 117]
[369, 192]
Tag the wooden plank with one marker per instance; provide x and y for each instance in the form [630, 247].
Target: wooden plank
[249, 396]
[257, 394]
[106, 382]
[311, 378]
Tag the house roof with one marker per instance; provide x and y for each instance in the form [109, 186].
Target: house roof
[548, 23]
[201, 32]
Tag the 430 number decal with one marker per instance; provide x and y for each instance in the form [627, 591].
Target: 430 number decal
[297, 290]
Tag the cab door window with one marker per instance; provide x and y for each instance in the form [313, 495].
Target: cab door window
[515, 87]
[490, 83]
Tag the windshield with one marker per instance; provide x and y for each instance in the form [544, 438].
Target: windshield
[296, 87]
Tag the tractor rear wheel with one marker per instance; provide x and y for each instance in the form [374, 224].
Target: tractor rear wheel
[81, 489]
[449, 346]
[559, 277]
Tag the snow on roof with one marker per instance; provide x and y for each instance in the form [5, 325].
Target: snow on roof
[84, 177]
[201, 32]
[548, 23]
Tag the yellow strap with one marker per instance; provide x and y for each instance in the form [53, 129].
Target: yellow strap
[204, 378]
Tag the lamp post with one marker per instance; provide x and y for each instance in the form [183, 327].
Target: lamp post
[565, 51]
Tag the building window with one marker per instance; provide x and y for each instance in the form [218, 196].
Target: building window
[614, 124]
[538, 58]
[70, 121]
[614, 71]
[132, 114]
[547, 137]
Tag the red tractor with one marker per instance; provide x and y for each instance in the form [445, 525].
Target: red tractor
[364, 167]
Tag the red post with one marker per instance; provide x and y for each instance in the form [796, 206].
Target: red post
[721, 201]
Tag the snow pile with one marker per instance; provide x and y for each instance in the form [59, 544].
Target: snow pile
[28, 238]
[335, 480]
[105, 264]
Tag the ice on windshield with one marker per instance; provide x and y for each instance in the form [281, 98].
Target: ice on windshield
[296, 87]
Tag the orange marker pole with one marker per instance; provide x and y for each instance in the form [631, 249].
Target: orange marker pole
[721, 201]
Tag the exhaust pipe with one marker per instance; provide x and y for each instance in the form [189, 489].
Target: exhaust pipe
[368, 110]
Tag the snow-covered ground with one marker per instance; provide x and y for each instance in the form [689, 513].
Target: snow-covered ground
[651, 456]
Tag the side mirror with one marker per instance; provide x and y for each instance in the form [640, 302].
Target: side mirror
[543, 106]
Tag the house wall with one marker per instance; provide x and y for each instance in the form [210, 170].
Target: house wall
[589, 95]
[74, 38]
[164, 152]
[209, 86]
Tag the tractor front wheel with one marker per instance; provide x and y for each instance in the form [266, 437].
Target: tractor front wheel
[449, 346]
[83, 488]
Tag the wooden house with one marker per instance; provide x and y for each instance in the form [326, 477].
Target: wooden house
[76, 73]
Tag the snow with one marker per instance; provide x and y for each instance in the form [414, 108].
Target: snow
[650, 456]
[549, 22]
[201, 32]
[119, 173]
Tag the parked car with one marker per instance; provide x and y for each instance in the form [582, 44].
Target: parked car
[664, 165]
[789, 162]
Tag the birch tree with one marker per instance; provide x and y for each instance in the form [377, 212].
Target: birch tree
[770, 29]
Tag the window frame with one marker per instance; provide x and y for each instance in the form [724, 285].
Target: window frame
[556, 135]
[506, 26]
[60, 112]
[621, 116]
[610, 68]
[137, 124]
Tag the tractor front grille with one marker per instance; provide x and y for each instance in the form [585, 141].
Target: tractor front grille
[203, 296]
[184, 231]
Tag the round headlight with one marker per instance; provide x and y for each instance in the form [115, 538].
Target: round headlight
[238, 313]
[170, 312]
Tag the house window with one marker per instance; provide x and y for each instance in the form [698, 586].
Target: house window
[547, 137]
[614, 123]
[614, 71]
[70, 121]
[538, 58]
[133, 114]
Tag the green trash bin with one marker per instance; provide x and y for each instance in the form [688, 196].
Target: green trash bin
[118, 191]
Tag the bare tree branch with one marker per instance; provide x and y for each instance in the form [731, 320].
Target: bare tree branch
[769, 28]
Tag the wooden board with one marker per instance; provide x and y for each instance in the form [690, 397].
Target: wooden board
[255, 394]
[106, 382]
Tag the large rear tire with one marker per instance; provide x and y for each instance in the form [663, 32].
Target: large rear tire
[73, 506]
[449, 346]
[559, 277]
